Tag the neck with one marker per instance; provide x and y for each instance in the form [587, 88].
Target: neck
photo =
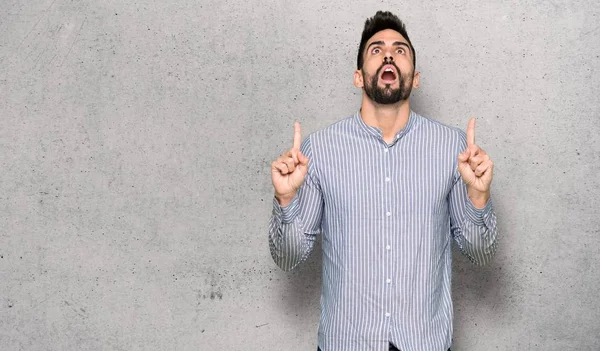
[390, 119]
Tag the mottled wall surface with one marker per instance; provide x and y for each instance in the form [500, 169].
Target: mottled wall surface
[136, 139]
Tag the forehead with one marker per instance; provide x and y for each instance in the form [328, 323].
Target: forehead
[387, 35]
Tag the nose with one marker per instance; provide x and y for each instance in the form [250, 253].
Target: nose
[388, 58]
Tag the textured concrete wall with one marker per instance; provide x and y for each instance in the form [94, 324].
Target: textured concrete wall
[136, 138]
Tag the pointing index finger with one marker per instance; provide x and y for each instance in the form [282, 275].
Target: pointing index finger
[471, 132]
[297, 136]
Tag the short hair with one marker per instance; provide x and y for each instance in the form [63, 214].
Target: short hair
[381, 21]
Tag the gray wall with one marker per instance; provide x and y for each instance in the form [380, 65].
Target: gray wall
[136, 139]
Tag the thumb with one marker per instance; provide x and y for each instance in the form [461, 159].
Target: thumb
[302, 159]
[464, 156]
[302, 163]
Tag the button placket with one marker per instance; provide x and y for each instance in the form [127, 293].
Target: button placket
[388, 215]
[386, 162]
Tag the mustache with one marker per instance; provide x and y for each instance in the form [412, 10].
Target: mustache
[388, 63]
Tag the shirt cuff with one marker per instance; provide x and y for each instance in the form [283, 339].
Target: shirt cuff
[288, 213]
[478, 215]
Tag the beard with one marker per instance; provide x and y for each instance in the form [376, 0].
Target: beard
[387, 95]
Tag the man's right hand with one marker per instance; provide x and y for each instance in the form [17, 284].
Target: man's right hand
[289, 170]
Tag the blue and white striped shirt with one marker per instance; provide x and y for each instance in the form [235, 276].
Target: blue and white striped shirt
[387, 213]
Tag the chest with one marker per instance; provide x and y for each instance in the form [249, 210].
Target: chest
[372, 180]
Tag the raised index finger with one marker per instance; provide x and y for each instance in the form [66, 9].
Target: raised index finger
[471, 132]
[297, 136]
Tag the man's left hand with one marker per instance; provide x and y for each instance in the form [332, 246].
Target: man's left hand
[476, 169]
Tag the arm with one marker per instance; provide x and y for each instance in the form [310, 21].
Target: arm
[472, 217]
[294, 226]
[474, 229]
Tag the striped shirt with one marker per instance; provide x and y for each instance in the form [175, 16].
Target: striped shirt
[387, 214]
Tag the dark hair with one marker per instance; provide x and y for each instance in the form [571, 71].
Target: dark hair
[381, 21]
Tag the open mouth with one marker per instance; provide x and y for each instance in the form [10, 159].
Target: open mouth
[388, 75]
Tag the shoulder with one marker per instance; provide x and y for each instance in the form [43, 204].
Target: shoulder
[431, 124]
[317, 146]
[332, 132]
[340, 127]
[426, 125]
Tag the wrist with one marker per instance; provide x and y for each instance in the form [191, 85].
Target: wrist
[478, 198]
[284, 200]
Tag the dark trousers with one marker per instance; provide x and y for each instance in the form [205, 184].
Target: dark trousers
[392, 348]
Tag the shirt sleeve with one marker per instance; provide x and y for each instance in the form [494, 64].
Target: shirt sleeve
[474, 230]
[293, 229]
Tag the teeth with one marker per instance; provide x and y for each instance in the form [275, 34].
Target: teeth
[388, 70]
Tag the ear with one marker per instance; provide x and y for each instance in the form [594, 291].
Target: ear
[416, 79]
[358, 79]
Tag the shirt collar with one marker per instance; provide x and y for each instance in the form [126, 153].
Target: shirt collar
[377, 133]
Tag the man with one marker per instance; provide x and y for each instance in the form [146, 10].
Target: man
[388, 189]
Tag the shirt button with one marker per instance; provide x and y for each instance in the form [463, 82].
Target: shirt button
[387, 179]
[387, 314]
[388, 247]
[388, 214]
[388, 280]
[385, 150]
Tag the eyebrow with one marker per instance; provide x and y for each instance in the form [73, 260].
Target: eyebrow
[396, 43]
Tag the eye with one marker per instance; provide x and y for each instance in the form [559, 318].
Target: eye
[401, 51]
[375, 51]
